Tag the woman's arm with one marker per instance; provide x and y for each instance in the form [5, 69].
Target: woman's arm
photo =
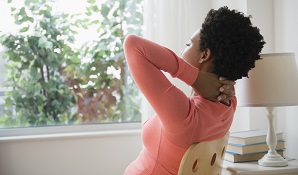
[146, 61]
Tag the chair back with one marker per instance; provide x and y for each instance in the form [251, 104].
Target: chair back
[204, 158]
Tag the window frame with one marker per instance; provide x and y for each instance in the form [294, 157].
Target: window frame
[69, 129]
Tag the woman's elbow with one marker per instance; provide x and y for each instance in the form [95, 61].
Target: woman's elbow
[129, 40]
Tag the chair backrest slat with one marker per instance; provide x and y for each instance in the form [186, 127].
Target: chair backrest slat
[204, 158]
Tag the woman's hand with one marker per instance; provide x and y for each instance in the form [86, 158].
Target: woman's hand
[209, 86]
[227, 91]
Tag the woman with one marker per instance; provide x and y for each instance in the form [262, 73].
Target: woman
[228, 46]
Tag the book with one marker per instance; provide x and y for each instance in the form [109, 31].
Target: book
[251, 137]
[236, 158]
[253, 148]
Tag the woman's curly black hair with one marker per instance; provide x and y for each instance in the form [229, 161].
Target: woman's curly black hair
[233, 41]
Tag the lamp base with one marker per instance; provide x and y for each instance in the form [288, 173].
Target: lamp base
[272, 159]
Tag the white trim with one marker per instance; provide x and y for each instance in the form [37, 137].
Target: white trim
[111, 133]
[70, 130]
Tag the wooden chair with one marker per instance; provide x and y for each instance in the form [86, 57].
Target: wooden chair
[204, 158]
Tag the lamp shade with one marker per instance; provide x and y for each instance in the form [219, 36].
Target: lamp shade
[273, 82]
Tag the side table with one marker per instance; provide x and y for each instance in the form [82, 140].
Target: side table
[252, 168]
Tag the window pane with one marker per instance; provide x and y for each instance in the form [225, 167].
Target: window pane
[64, 62]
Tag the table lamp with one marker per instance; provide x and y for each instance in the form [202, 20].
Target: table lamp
[272, 83]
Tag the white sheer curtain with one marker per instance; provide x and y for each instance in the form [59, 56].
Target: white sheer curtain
[171, 23]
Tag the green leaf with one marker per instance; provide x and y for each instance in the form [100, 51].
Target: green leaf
[95, 22]
[95, 9]
[88, 13]
[56, 103]
[18, 22]
[104, 10]
[61, 91]
[30, 19]
[22, 12]
[75, 60]
[91, 1]
[27, 2]
[42, 41]
[24, 29]
[49, 45]
[35, 74]
[69, 68]
[40, 108]
[43, 24]
[13, 56]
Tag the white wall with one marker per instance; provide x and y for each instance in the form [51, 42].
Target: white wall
[286, 40]
[278, 23]
[94, 154]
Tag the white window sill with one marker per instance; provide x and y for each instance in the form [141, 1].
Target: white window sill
[61, 132]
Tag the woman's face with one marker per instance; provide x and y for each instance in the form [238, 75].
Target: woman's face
[192, 53]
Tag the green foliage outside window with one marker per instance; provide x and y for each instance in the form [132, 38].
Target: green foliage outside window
[54, 82]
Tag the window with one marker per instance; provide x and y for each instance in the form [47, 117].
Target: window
[64, 62]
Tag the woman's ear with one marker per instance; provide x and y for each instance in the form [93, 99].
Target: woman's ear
[206, 55]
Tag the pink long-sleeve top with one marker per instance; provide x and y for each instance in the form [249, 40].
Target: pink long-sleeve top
[179, 120]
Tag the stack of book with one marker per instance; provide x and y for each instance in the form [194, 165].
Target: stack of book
[250, 145]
